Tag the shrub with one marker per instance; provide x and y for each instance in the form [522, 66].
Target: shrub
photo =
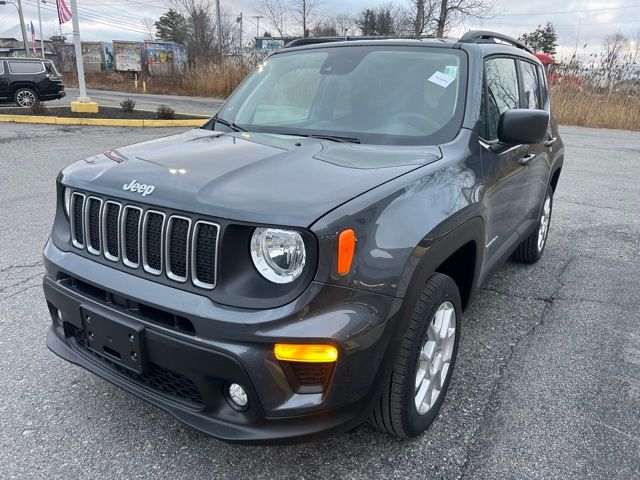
[128, 105]
[165, 112]
[38, 108]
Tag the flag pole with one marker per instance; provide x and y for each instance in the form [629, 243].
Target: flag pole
[40, 22]
[24, 30]
[83, 98]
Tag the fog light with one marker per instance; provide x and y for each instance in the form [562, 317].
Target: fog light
[238, 396]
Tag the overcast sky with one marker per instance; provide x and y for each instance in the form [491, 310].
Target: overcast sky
[125, 19]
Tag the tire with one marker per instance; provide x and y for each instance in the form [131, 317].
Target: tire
[396, 412]
[532, 247]
[25, 97]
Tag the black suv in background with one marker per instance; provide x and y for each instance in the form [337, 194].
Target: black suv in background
[301, 262]
[26, 80]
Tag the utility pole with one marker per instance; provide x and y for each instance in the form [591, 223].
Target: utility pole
[24, 30]
[240, 20]
[258, 17]
[575, 52]
[40, 22]
[219, 25]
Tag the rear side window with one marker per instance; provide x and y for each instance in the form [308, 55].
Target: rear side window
[25, 67]
[544, 93]
[501, 93]
[531, 86]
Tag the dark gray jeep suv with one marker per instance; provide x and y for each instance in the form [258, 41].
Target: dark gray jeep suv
[300, 264]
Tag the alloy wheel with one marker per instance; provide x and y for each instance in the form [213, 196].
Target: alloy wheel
[545, 218]
[25, 98]
[435, 358]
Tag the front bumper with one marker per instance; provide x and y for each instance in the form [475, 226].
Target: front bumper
[228, 345]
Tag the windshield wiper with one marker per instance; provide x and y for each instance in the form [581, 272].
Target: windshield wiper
[229, 124]
[320, 136]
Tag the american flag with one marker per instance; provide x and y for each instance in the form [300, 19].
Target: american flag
[33, 38]
[64, 14]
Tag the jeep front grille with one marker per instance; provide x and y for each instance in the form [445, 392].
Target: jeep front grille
[152, 240]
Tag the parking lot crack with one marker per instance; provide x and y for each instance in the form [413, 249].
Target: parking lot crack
[491, 403]
[16, 267]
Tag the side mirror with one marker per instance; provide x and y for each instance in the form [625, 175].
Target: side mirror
[523, 126]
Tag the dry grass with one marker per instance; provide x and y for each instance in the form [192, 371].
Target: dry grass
[598, 110]
[206, 79]
[587, 103]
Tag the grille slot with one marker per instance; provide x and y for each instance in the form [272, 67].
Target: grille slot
[92, 221]
[152, 241]
[131, 236]
[204, 253]
[178, 247]
[111, 230]
[183, 248]
[76, 220]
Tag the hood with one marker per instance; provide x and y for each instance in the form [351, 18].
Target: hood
[250, 177]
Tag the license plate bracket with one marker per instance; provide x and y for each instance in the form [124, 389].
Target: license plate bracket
[120, 341]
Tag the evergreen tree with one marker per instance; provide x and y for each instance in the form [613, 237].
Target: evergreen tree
[171, 27]
[542, 39]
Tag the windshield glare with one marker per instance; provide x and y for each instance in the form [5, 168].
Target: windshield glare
[380, 95]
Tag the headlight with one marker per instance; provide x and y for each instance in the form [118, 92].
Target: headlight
[67, 201]
[279, 255]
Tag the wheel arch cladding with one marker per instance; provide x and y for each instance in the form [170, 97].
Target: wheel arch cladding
[554, 178]
[459, 255]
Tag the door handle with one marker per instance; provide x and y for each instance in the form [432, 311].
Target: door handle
[550, 141]
[527, 159]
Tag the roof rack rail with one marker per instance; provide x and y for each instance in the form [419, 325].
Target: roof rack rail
[313, 40]
[485, 36]
[349, 38]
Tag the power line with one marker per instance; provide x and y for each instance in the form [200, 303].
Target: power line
[571, 11]
[94, 20]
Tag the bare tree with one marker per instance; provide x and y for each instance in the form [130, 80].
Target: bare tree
[201, 31]
[454, 12]
[614, 46]
[150, 28]
[275, 12]
[304, 12]
[419, 18]
[345, 23]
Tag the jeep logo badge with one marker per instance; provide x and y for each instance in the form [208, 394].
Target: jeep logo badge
[136, 187]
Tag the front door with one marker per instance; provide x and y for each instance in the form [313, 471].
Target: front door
[506, 179]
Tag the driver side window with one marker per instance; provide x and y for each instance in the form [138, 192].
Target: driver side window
[500, 93]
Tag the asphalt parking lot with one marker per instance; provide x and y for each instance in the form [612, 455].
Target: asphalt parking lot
[547, 383]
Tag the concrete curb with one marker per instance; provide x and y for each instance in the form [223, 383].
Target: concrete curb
[105, 122]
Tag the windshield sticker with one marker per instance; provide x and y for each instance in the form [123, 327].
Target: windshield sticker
[442, 79]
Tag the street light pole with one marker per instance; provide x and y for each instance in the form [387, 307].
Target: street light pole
[40, 22]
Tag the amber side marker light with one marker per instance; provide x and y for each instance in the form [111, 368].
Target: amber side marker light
[305, 353]
[346, 247]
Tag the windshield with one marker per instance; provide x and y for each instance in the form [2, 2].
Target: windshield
[377, 95]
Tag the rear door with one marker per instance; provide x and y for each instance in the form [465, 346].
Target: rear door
[538, 155]
[4, 80]
[506, 179]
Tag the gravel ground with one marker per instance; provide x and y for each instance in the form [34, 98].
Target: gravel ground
[546, 385]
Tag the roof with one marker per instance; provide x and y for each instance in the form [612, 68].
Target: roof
[489, 42]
